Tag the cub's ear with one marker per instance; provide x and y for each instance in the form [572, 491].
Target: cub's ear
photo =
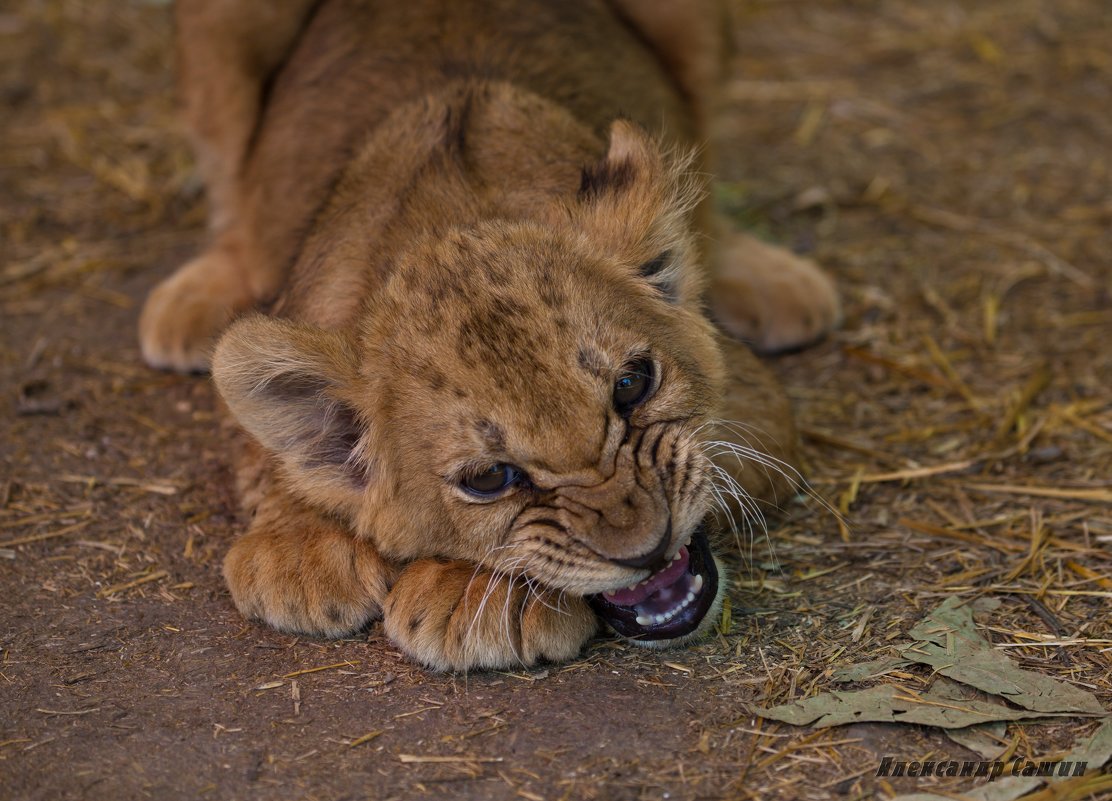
[631, 157]
[639, 202]
[286, 384]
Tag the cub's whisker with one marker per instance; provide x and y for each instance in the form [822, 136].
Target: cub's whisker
[795, 478]
[750, 512]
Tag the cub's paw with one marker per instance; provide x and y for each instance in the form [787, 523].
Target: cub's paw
[452, 616]
[184, 314]
[771, 298]
[314, 579]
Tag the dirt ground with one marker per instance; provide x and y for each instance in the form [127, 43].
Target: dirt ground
[948, 161]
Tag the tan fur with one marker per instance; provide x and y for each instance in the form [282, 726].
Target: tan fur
[449, 226]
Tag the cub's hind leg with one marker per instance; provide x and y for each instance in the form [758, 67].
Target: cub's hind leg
[691, 40]
[226, 52]
[302, 572]
[184, 314]
[767, 296]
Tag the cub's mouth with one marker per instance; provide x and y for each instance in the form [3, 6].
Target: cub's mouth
[670, 603]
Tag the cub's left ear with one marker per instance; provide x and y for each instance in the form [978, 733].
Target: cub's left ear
[287, 384]
[639, 201]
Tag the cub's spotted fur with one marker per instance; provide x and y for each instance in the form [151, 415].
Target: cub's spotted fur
[485, 402]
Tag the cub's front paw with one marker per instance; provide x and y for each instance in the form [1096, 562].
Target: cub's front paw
[312, 579]
[184, 314]
[452, 616]
[771, 298]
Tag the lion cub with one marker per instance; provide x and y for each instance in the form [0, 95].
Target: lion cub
[484, 400]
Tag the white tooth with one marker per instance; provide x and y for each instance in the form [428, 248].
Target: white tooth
[632, 586]
[643, 620]
[697, 584]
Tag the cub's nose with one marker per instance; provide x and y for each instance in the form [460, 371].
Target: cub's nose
[652, 558]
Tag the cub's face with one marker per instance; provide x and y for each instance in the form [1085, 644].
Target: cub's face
[524, 396]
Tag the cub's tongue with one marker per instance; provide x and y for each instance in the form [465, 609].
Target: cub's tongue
[669, 604]
[654, 583]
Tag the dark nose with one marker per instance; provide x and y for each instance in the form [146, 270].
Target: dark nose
[653, 557]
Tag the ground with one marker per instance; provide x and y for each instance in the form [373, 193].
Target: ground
[947, 161]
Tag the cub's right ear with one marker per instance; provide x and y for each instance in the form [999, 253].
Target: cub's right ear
[287, 385]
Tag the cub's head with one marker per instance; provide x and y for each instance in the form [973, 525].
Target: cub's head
[524, 395]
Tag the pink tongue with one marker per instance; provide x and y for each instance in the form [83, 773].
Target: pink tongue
[657, 581]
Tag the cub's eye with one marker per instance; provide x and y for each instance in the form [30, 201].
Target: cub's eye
[633, 385]
[492, 480]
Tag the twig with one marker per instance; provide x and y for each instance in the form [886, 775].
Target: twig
[416, 758]
[48, 536]
[127, 585]
[318, 669]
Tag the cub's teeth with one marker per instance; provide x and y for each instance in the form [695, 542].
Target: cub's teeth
[632, 586]
[664, 617]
